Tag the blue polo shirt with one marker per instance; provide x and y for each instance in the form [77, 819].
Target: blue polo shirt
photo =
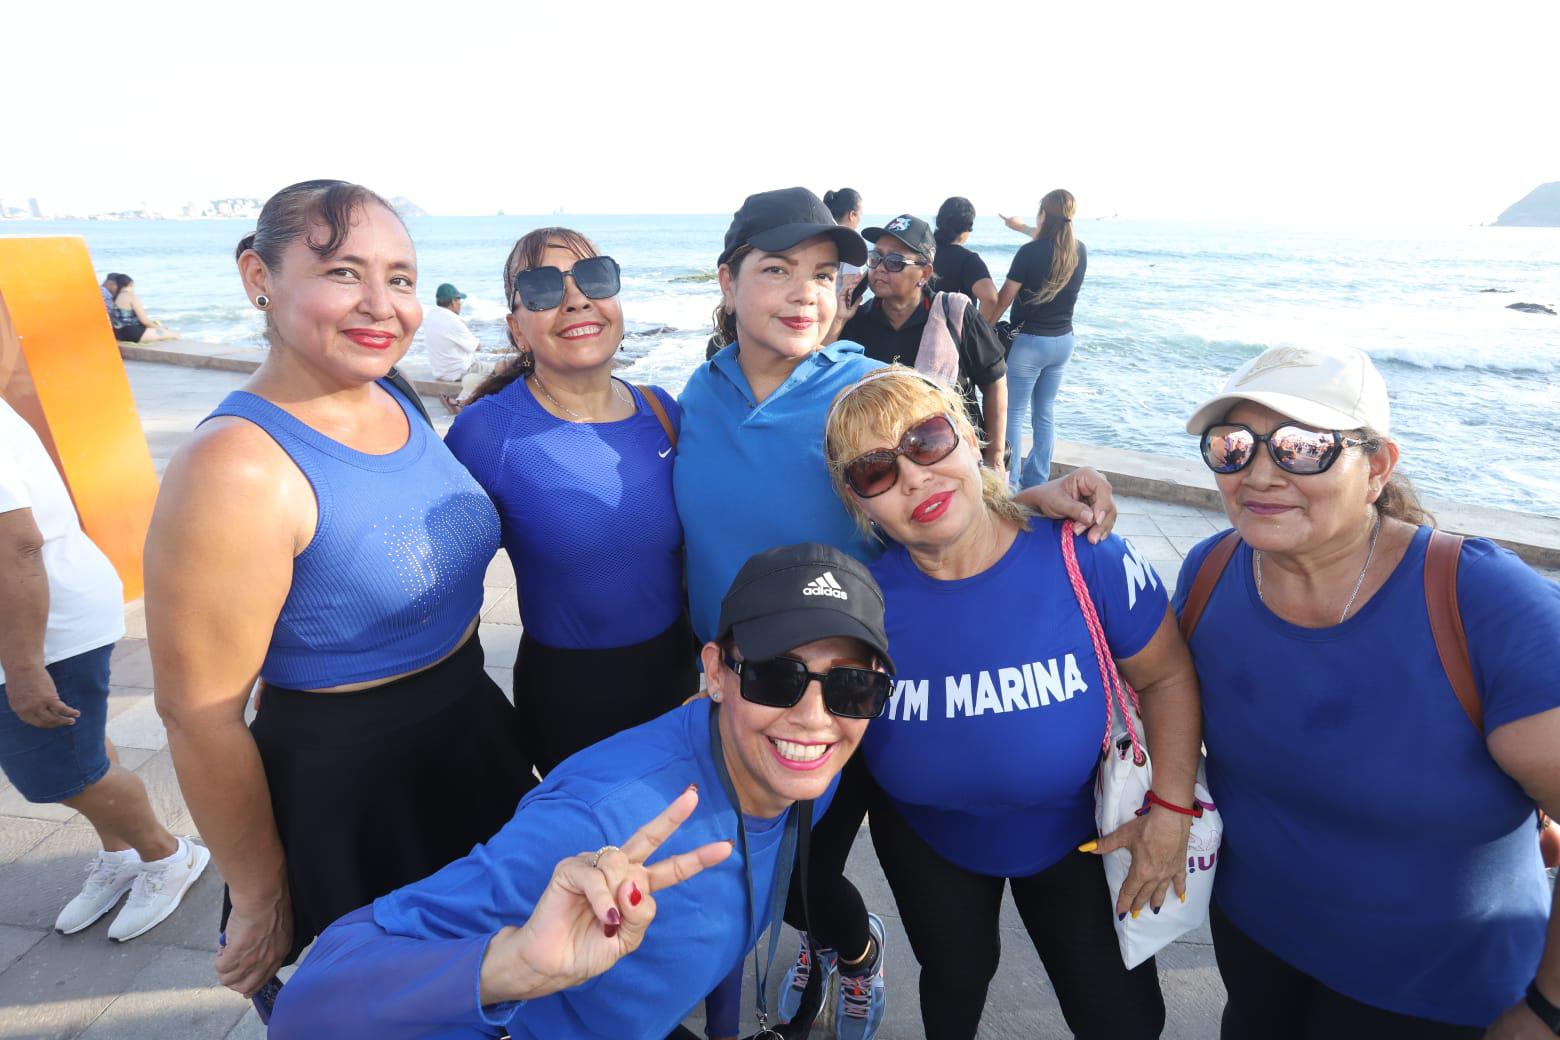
[408, 967]
[751, 476]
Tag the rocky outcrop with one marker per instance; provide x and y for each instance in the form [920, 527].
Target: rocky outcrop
[407, 208]
[1531, 308]
[1539, 208]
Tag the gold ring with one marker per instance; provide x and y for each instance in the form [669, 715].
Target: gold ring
[595, 859]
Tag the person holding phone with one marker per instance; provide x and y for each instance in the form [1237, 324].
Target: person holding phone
[495, 940]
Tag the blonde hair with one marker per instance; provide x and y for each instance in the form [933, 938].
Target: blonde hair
[1057, 209]
[875, 410]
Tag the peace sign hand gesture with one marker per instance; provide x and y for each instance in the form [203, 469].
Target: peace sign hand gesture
[593, 912]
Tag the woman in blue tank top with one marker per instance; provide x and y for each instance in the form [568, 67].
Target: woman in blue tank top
[1380, 875]
[579, 465]
[316, 533]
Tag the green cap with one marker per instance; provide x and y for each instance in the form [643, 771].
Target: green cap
[448, 292]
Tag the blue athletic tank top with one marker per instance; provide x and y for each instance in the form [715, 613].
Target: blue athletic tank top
[393, 574]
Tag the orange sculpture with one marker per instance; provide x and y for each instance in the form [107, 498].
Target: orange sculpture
[60, 369]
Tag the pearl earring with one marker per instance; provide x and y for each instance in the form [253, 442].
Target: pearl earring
[262, 301]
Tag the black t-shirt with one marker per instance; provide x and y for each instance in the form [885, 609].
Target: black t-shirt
[1032, 266]
[980, 354]
[958, 269]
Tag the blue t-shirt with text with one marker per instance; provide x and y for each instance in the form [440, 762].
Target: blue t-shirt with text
[989, 745]
[1370, 839]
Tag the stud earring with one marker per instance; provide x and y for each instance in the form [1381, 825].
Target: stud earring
[262, 301]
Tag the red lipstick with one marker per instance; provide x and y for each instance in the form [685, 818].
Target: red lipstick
[373, 339]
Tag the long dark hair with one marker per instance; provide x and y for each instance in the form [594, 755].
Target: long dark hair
[526, 254]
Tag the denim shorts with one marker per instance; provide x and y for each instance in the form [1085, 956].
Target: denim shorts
[51, 765]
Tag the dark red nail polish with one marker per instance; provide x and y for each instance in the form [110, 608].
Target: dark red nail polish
[694, 788]
[609, 930]
[634, 895]
[614, 918]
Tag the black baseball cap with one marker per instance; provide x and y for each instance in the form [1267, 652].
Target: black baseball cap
[911, 230]
[774, 221]
[785, 597]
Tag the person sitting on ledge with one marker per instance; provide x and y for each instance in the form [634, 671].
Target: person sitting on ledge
[126, 315]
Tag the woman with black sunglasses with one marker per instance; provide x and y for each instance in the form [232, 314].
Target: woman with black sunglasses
[579, 464]
[793, 679]
[986, 756]
[750, 473]
[1381, 717]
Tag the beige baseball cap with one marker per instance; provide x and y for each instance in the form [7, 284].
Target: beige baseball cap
[1335, 388]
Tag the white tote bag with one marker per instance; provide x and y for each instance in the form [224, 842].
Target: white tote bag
[1121, 794]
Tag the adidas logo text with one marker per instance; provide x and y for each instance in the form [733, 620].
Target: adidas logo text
[824, 585]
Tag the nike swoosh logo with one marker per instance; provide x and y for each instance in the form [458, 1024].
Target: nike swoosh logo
[665, 453]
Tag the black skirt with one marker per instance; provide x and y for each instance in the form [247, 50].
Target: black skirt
[570, 699]
[376, 789]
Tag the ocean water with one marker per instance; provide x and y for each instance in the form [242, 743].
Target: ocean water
[1167, 311]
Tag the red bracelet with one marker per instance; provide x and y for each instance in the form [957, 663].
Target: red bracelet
[1151, 799]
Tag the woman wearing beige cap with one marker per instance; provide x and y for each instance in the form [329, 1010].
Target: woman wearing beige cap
[1380, 875]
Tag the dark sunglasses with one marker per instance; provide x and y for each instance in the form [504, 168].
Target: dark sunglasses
[1231, 447]
[849, 691]
[895, 262]
[927, 442]
[541, 288]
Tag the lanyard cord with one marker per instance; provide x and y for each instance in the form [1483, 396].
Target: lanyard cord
[781, 885]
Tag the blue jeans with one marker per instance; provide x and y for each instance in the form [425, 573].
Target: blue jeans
[51, 765]
[1034, 374]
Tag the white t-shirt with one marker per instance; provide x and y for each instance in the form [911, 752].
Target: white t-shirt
[86, 599]
[449, 342]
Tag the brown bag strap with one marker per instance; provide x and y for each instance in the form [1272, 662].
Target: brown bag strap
[1451, 642]
[654, 401]
[1208, 574]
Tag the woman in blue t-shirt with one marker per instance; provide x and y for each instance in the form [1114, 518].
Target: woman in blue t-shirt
[1042, 287]
[751, 474]
[987, 754]
[579, 464]
[1380, 875]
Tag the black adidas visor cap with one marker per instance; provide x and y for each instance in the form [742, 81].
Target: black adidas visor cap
[784, 598]
[774, 221]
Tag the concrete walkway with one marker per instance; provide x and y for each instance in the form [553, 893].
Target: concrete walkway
[161, 985]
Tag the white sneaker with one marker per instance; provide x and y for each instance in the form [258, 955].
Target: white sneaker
[109, 876]
[158, 889]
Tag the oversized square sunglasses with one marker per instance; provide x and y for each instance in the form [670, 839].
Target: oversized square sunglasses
[1231, 447]
[849, 691]
[925, 443]
[541, 288]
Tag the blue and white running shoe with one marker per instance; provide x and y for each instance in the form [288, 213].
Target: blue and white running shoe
[793, 989]
[863, 999]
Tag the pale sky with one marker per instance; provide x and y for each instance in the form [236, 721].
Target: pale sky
[1265, 110]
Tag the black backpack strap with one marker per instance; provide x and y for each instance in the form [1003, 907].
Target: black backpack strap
[408, 391]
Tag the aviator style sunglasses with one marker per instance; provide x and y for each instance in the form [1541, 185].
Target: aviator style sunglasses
[849, 691]
[1231, 447]
[925, 443]
[541, 288]
[895, 262]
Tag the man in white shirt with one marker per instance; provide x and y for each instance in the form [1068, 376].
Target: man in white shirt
[62, 608]
[451, 345]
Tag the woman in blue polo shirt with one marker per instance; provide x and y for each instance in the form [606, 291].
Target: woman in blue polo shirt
[793, 680]
[1380, 875]
[751, 473]
[987, 755]
[579, 464]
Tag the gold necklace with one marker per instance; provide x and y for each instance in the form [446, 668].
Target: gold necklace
[617, 394]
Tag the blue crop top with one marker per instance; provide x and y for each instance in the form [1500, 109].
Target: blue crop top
[393, 574]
